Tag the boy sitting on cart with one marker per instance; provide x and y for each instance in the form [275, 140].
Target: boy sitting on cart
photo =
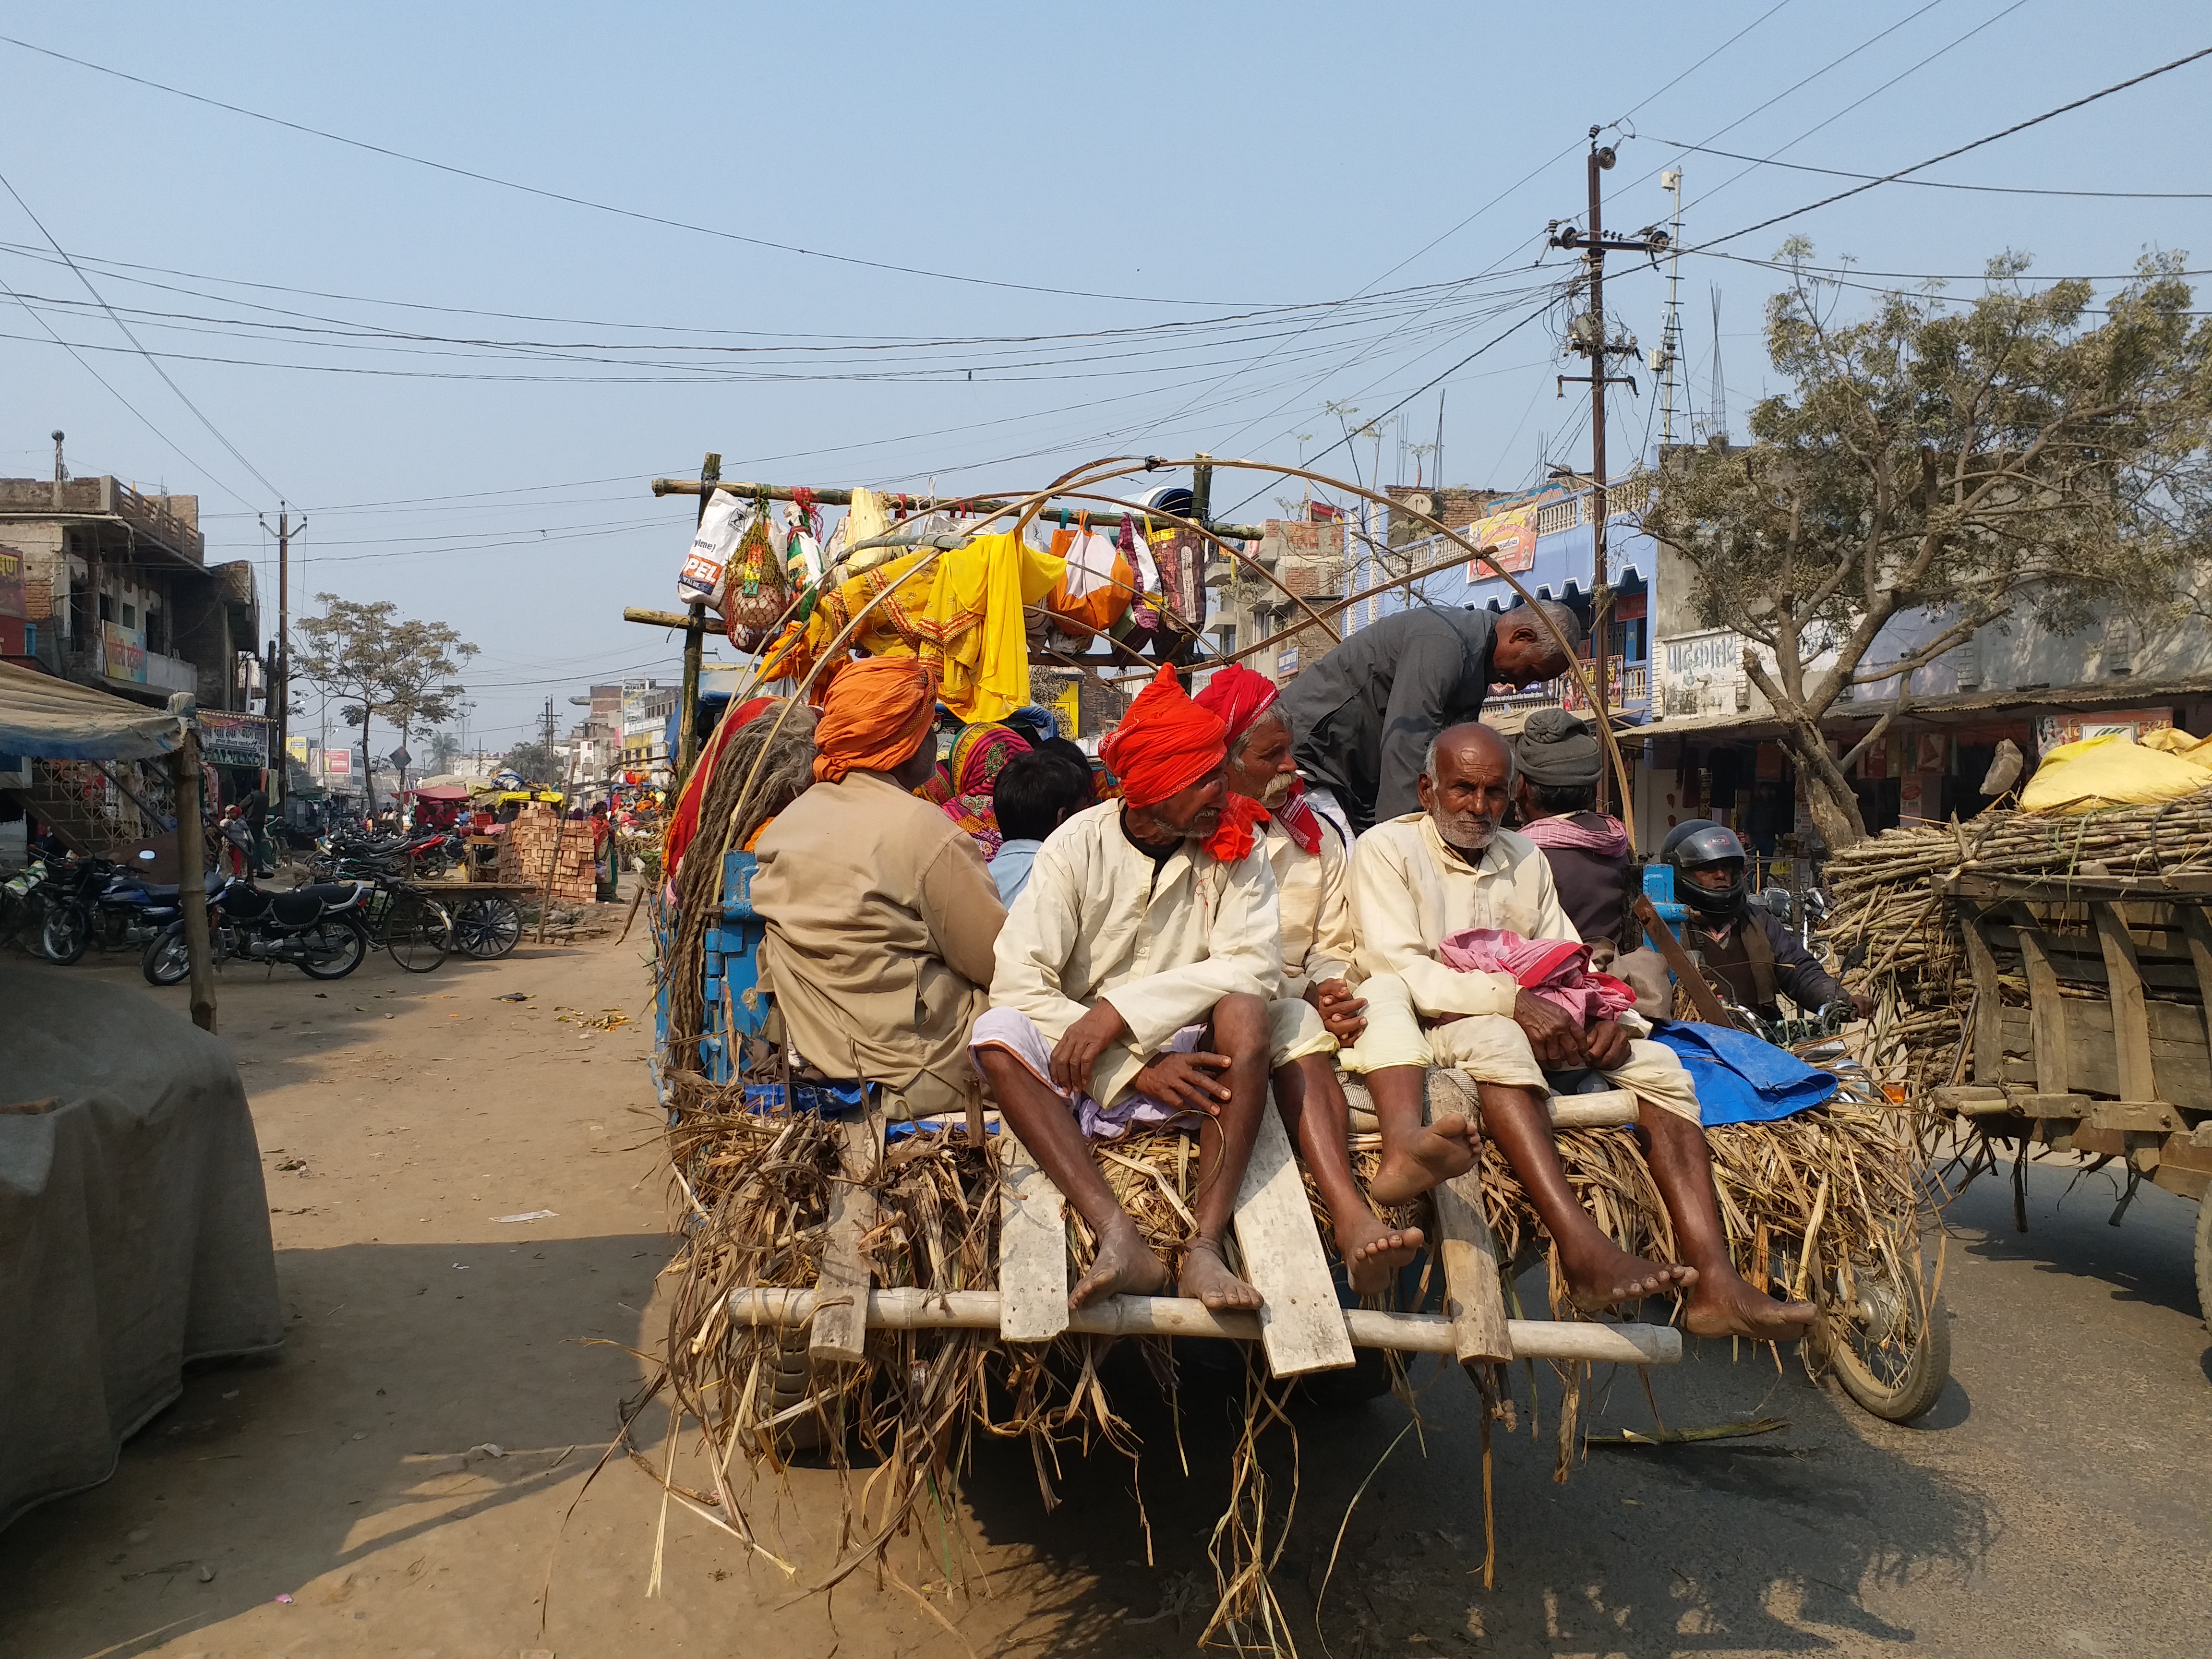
[1139, 981]
[1420, 878]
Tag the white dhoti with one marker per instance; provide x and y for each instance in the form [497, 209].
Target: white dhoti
[1492, 1048]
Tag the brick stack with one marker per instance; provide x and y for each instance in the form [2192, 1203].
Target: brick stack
[526, 852]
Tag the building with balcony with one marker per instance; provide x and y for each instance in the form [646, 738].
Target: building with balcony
[116, 593]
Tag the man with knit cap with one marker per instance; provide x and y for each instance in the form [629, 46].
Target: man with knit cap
[1139, 981]
[881, 914]
[1556, 762]
[1311, 860]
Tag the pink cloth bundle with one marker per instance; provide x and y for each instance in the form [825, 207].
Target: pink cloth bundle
[1556, 969]
[1609, 841]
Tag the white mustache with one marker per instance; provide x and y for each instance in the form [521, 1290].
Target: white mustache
[1276, 791]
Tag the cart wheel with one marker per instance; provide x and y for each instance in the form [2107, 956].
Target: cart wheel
[418, 933]
[487, 927]
[2205, 1258]
[1890, 1348]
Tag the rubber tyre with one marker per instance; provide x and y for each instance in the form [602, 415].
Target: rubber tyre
[166, 959]
[487, 927]
[67, 932]
[2204, 1258]
[355, 948]
[418, 933]
[1915, 1393]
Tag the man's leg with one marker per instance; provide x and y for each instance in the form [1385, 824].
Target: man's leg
[1722, 1302]
[1314, 1111]
[1225, 1147]
[1394, 1056]
[1044, 1124]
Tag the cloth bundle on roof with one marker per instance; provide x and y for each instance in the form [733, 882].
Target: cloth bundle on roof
[958, 610]
[1096, 591]
[1555, 969]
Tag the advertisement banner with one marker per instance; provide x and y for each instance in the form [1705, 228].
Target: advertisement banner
[337, 762]
[11, 584]
[1510, 538]
[126, 653]
[1067, 708]
[233, 739]
[297, 749]
[2133, 724]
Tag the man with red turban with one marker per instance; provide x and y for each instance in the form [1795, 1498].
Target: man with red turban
[881, 914]
[1140, 982]
[1312, 867]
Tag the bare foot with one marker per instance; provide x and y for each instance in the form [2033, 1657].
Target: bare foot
[1426, 1158]
[1123, 1266]
[1723, 1304]
[1206, 1276]
[1604, 1274]
[1373, 1251]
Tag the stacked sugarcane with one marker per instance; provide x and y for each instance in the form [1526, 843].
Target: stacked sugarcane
[1899, 943]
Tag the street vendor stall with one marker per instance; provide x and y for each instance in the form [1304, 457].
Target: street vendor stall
[851, 1283]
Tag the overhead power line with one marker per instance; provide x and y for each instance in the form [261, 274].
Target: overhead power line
[634, 214]
[1945, 183]
[1949, 154]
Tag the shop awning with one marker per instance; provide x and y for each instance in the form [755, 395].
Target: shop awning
[440, 792]
[55, 720]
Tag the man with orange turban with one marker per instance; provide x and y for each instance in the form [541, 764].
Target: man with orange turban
[1140, 982]
[881, 914]
[1311, 863]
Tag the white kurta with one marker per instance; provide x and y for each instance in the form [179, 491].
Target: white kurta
[1098, 921]
[1410, 891]
[1314, 895]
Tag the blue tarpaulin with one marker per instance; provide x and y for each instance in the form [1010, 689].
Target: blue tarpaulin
[1741, 1079]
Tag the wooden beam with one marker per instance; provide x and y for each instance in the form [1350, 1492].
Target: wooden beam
[1032, 1249]
[907, 1310]
[970, 504]
[2131, 1017]
[2047, 1010]
[192, 876]
[1678, 959]
[841, 1323]
[1989, 1016]
[1474, 1297]
[671, 619]
[1301, 1326]
[2198, 928]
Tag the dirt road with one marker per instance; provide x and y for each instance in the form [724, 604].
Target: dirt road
[2054, 1503]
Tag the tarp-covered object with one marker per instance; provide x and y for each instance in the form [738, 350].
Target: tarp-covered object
[54, 720]
[134, 1226]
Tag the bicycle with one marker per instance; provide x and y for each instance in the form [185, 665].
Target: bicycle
[413, 927]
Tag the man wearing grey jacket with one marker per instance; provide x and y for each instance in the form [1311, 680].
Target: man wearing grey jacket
[1364, 713]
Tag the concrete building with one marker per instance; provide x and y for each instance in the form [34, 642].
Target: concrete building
[116, 593]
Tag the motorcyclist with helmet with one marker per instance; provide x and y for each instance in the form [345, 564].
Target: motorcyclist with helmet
[1745, 948]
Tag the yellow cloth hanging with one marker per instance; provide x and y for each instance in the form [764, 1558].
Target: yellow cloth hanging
[962, 616]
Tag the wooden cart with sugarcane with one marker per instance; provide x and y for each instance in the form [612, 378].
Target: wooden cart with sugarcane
[2047, 984]
[850, 1281]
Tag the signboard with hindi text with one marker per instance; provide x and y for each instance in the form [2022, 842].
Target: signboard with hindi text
[125, 648]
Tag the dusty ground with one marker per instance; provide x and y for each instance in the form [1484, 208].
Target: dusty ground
[2054, 1503]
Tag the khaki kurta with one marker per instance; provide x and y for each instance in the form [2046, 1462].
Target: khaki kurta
[1097, 922]
[1411, 890]
[881, 922]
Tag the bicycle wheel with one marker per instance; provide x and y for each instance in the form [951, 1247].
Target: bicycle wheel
[334, 947]
[417, 931]
[487, 927]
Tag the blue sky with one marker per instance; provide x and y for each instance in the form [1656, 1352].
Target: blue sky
[1226, 158]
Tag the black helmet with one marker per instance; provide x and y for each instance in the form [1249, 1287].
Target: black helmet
[1697, 842]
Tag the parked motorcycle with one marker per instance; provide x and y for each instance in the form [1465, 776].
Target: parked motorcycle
[105, 905]
[320, 930]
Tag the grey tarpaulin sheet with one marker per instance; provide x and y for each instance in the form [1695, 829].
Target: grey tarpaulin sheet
[53, 718]
[133, 1227]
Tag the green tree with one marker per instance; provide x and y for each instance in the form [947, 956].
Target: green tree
[444, 747]
[383, 663]
[2017, 458]
[535, 762]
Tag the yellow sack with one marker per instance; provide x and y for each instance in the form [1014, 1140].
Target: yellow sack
[2197, 751]
[2110, 771]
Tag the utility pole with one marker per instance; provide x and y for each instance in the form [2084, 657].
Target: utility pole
[1587, 335]
[280, 670]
